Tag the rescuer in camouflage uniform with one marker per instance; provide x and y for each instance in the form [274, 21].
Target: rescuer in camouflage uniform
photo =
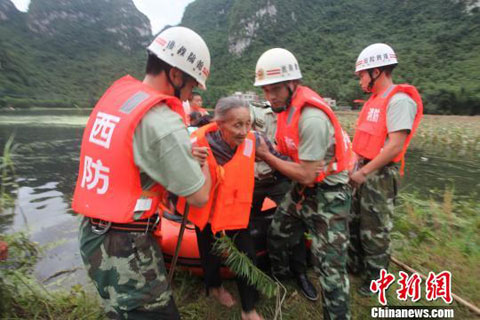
[269, 183]
[129, 284]
[371, 222]
[384, 128]
[319, 207]
[323, 213]
[124, 260]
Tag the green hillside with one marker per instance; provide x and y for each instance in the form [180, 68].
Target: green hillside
[66, 52]
[437, 41]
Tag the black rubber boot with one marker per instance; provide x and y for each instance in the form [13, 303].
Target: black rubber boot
[306, 287]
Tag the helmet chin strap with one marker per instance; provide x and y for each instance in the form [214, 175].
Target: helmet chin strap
[287, 102]
[372, 79]
[177, 89]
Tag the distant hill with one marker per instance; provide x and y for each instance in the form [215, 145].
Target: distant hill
[66, 52]
[437, 41]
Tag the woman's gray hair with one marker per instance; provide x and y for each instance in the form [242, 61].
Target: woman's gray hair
[226, 104]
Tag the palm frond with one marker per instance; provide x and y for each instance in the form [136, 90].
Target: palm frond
[240, 264]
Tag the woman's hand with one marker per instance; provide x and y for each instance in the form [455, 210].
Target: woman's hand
[262, 149]
[200, 154]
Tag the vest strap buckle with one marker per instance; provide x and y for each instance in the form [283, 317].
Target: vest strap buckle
[101, 227]
[155, 223]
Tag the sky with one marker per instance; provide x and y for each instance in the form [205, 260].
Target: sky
[160, 12]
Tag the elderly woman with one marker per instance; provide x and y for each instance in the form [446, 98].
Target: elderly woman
[231, 163]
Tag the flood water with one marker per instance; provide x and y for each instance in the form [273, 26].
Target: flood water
[47, 166]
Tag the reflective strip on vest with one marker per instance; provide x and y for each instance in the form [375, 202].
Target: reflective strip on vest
[133, 102]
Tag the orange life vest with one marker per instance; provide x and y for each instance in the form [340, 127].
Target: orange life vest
[230, 199]
[288, 137]
[371, 130]
[108, 185]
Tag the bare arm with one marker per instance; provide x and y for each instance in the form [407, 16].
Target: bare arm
[200, 197]
[391, 149]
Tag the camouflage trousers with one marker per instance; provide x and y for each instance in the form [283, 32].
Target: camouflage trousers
[323, 212]
[371, 223]
[128, 270]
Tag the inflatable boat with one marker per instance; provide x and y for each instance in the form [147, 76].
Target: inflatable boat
[189, 258]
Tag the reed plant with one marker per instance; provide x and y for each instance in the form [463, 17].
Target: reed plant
[447, 136]
[8, 182]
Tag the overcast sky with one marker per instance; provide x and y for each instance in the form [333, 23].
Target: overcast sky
[160, 12]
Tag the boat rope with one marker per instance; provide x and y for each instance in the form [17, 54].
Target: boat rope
[280, 298]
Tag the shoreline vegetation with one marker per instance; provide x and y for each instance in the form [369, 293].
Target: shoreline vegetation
[12, 104]
[437, 231]
[429, 235]
[8, 103]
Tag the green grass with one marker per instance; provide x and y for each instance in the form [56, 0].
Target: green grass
[193, 304]
[437, 236]
[23, 297]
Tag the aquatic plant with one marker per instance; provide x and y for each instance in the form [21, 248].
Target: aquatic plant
[7, 168]
[449, 136]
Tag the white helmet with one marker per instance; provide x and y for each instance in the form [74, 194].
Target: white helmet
[276, 65]
[184, 49]
[374, 56]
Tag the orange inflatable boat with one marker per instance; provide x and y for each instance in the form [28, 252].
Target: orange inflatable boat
[189, 258]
